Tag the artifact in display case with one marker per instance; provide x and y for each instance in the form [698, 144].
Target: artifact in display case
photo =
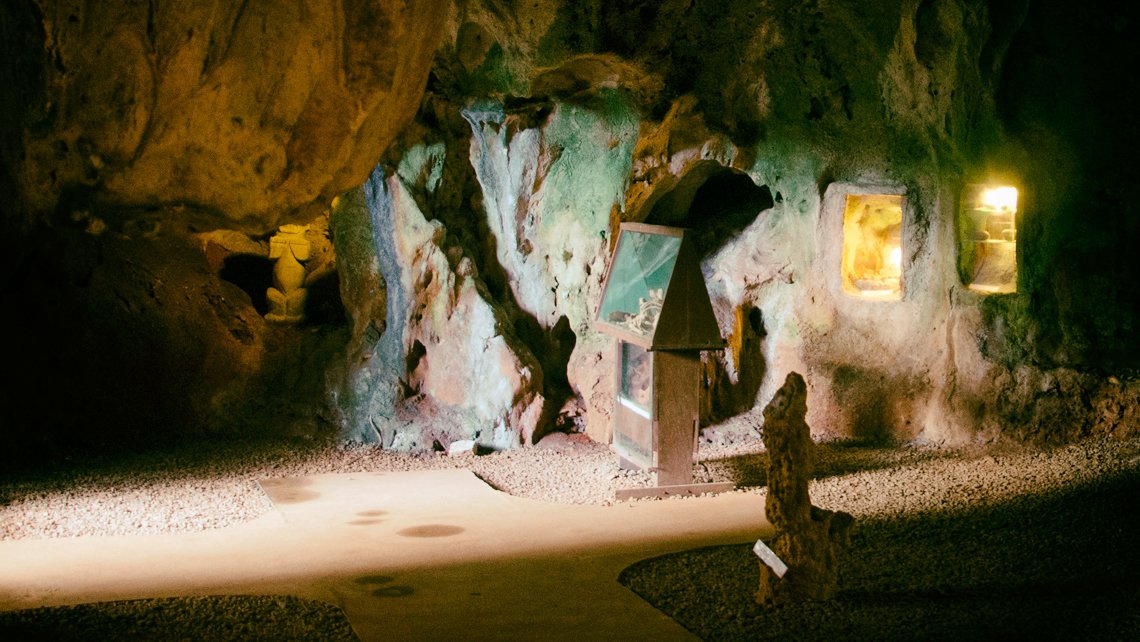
[657, 307]
[872, 246]
[635, 289]
[988, 238]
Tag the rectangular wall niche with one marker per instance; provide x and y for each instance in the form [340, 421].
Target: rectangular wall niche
[872, 246]
[988, 238]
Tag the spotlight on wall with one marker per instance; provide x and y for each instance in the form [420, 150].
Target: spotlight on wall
[1002, 199]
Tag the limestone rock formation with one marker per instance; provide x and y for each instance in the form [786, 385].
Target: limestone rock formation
[549, 192]
[540, 127]
[257, 113]
[447, 356]
[808, 539]
[131, 131]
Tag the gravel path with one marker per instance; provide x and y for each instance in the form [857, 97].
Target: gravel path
[215, 485]
[933, 523]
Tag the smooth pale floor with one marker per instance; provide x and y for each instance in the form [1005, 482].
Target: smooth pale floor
[407, 555]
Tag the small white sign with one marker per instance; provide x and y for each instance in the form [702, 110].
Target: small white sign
[768, 556]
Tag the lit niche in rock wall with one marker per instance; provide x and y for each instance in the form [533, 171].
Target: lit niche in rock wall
[872, 246]
[988, 238]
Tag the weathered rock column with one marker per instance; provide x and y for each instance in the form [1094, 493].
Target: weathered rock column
[809, 539]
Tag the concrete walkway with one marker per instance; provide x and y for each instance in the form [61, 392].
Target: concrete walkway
[409, 556]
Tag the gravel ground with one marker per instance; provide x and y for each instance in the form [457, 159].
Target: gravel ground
[947, 540]
[204, 486]
[1015, 545]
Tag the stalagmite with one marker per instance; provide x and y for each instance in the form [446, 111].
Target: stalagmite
[809, 539]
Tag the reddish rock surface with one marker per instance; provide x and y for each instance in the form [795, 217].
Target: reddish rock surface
[539, 127]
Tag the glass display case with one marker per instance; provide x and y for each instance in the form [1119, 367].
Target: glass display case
[654, 294]
[639, 279]
[872, 246]
[636, 386]
[633, 434]
[988, 238]
[656, 305]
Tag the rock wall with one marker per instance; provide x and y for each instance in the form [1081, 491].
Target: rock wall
[253, 113]
[754, 148]
[148, 150]
[447, 365]
[467, 269]
[548, 193]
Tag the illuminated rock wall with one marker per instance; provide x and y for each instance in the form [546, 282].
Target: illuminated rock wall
[544, 125]
[131, 129]
[447, 365]
[910, 98]
[255, 113]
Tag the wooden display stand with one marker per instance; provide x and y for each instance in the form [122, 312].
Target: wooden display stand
[656, 305]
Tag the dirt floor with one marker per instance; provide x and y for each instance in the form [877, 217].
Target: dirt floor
[993, 542]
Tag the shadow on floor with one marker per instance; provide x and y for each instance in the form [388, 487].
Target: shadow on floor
[831, 459]
[1062, 566]
[205, 618]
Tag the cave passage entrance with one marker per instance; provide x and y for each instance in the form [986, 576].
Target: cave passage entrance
[714, 203]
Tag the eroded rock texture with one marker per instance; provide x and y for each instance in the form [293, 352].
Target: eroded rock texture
[507, 142]
[255, 113]
[809, 539]
[148, 152]
[447, 365]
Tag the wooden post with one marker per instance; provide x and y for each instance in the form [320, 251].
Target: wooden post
[676, 379]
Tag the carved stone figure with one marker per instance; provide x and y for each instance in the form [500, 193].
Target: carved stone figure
[809, 539]
[287, 296]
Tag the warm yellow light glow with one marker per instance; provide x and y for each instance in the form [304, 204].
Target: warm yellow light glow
[988, 260]
[1000, 198]
[871, 265]
[894, 259]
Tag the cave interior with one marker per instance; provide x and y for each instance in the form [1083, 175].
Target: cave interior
[390, 224]
[218, 233]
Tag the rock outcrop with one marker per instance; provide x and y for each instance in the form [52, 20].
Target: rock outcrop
[254, 114]
[447, 360]
[809, 539]
[132, 132]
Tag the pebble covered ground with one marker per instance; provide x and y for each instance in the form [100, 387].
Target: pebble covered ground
[939, 530]
[1014, 544]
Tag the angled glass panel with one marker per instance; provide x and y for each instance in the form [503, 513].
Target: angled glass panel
[638, 281]
[636, 390]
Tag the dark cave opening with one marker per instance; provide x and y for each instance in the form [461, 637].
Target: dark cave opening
[323, 305]
[253, 274]
[725, 395]
[714, 203]
[552, 348]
